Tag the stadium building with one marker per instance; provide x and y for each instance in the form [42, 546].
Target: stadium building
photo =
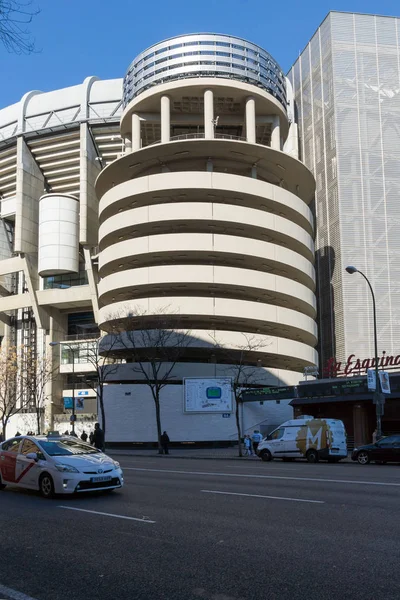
[176, 191]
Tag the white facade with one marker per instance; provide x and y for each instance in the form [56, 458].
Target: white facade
[188, 195]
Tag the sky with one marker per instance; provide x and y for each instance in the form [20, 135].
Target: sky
[78, 38]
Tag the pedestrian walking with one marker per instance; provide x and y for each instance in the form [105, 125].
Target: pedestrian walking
[98, 437]
[247, 445]
[164, 442]
[84, 436]
[91, 438]
[256, 439]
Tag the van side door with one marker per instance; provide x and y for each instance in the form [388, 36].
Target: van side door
[290, 443]
[276, 443]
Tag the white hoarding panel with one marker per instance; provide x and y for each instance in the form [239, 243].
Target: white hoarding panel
[208, 395]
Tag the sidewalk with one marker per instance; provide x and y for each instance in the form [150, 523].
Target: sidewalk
[194, 453]
[191, 453]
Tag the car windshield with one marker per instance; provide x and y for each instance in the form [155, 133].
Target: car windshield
[65, 447]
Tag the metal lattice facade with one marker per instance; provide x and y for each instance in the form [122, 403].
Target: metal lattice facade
[346, 85]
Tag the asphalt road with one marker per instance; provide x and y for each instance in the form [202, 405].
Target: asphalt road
[211, 530]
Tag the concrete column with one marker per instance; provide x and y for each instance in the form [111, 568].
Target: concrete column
[209, 114]
[136, 141]
[128, 144]
[251, 120]
[209, 166]
[254, 171]
[276, 134]
[165, 119]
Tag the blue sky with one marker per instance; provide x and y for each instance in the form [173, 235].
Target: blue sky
[79, 38]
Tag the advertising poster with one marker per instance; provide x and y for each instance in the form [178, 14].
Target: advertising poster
[208, 395]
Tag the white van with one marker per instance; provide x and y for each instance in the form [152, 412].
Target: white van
[306, 437]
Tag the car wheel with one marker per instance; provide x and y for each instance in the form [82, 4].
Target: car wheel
[2, 485]
[46, 486]
[363, 458]
[266, 455]
[312, 456]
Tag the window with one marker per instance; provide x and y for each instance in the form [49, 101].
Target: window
[28, 446]
[67, 448]
[276, 435]
[389, 441]
[11, 445]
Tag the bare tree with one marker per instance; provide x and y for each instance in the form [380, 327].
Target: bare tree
[243, 369]
[15, 16]
[156, 344]
[12, 400]
[104, 366]
[37, 372]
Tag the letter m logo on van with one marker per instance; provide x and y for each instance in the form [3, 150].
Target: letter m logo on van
[314, 434]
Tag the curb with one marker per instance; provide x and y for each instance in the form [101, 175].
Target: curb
[178, 457]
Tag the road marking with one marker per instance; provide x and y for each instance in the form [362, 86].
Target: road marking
[249, 476]
[95, 512]
[258, 496]
[13, 594]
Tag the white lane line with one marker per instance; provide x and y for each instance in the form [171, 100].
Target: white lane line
[250, 476]
[258, 496]
[5, 591]
[96, 512]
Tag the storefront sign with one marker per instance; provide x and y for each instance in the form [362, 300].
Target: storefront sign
[355, 365]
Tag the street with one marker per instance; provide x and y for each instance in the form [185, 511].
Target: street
[207, 529]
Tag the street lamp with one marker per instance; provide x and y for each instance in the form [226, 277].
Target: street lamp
[73, 378]
[377, 394]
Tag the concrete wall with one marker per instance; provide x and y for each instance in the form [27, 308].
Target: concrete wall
[30, 187]
[130, 416]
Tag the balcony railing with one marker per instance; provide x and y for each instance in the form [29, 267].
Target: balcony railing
[201, 136]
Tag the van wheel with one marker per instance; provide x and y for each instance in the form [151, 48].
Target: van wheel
[312, 456]
[46, 486]
[266, 455]
[2, 485]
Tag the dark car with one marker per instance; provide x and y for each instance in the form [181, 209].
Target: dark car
[387, 449]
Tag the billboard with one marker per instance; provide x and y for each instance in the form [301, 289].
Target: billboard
[207, 395]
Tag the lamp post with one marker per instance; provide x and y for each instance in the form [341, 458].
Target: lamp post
[377, 393]
[73, 378]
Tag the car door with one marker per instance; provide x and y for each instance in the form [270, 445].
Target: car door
[384, 450]
[8, 459]
[27, 469]
[276, 442]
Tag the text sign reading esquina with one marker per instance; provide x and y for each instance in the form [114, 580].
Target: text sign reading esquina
[208, 395]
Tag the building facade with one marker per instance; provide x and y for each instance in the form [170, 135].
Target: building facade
[177, 191]
[347, 103]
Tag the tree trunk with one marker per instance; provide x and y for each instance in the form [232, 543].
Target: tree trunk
[103, 412]
[238, 426]
[38, 420]
[158, 419]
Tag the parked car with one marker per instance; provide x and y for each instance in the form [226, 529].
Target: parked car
[306, 437]
[57, 465]
[387, 449]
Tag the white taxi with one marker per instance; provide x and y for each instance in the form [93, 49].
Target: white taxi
[57, 465]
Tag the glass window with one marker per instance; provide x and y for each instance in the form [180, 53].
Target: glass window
[389, 441]
[11, 445]
[66, 447]
[29, 446]
[276, 435]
